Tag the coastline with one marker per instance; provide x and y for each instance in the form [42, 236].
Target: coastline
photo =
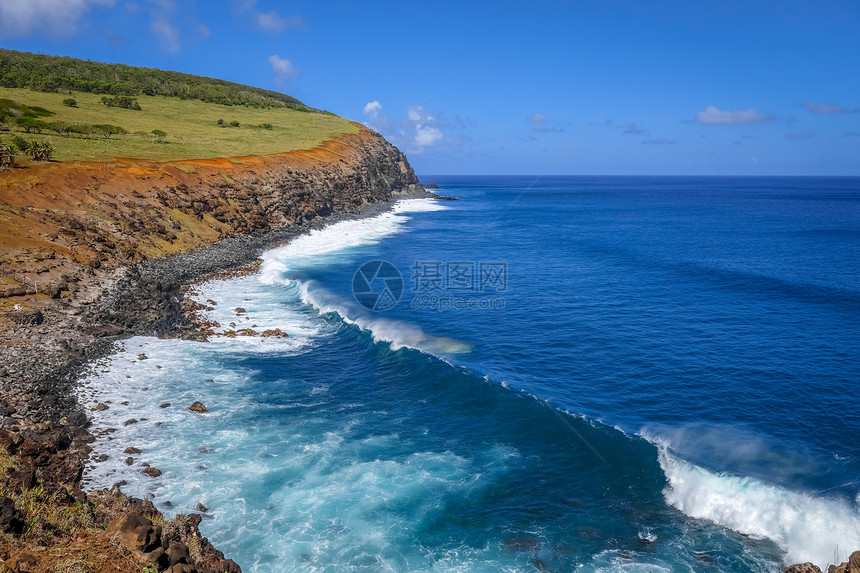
[44, 434]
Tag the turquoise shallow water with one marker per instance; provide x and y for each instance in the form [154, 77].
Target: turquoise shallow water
[651, 374]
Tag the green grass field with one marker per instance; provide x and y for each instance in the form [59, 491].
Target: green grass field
[191, 126]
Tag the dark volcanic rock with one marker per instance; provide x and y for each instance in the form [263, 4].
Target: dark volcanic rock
[198, 407]
[11, 519]
[26, 317]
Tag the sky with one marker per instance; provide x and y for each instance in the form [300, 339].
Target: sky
[602, 87]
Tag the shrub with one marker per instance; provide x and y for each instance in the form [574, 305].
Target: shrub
[125, 102]
[7, 158]
[70, 102]
[40, 151]
[234, 123]
[159, 134]
[20, 143]
[222, 123]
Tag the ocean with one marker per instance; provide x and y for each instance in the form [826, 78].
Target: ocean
[561, 374]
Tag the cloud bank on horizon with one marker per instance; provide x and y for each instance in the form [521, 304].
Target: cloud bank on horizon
[685, 90]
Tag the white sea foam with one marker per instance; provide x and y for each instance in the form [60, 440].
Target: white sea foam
[397, 333]
[263, 308]
[306, 250]
[805, 527]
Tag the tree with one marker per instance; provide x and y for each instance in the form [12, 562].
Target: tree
[222, 123]
[70, 102]
[106, 130]
[59, 127]
[30, 124]
[234, 123]
[159, 134]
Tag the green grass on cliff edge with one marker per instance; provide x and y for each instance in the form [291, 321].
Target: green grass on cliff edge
[191, 126]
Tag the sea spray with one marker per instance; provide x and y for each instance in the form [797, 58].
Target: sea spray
[807, 528]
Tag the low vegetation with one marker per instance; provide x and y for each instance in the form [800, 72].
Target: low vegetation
[60, 74]
[164, 128]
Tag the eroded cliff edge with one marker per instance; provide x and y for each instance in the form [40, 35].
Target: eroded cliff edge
[94, 252]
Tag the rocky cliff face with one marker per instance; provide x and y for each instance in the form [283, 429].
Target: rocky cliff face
[64, 223]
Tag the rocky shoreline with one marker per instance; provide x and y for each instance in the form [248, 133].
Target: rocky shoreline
[47, 521]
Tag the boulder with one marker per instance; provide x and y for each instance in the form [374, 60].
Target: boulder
[136, 533]
[198, 407]
[131, 450]
[26, 317]
[275, 333]
[152, 472]
[802, 568]
[177, 552]
[11, 518]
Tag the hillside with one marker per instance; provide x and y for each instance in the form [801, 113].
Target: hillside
[191, 127]
[90, 111]
[59, 74]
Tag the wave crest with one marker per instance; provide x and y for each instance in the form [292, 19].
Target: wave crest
[805, 527]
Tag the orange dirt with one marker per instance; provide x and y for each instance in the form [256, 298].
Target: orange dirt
[61, 219]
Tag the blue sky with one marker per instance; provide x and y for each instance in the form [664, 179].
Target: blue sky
[590, 87]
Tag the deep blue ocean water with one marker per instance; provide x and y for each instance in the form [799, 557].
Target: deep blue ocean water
[579, 374]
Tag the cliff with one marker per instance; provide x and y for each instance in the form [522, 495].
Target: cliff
[92, 252]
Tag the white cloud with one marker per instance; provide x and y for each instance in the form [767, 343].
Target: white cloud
[425, 127]
[272, 22]
[284, 69]
[416, 132]
[167, 34]
[55, 19]
[712, 115]
[828, 109]
[372, 109]
[540, 124]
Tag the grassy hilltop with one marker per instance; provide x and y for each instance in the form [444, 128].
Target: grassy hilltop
[179, 117]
